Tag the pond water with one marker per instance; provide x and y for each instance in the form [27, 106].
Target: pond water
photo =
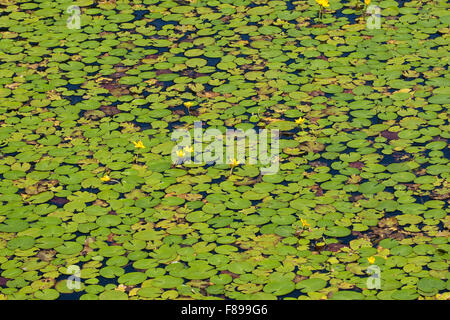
[364, 165]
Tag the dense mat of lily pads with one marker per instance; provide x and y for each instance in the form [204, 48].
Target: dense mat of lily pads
[364, 161]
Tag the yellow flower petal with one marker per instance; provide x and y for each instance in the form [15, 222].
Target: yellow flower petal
[300, 120]
[304, 222]
[323, 3]
[120, 287]
[105, 178]
[234, 163]
[139, 144]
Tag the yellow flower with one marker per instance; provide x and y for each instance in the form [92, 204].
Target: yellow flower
[278, 22]
[323, 3]
[120, 287]
[180, 153]
[189, 148]
[101, 79]
[304, 222]
[188, 104]
[300, 120]
[105, 178]
[371, 260]
[367, 2]
[241, 42]
[139, 144]
[234, 163]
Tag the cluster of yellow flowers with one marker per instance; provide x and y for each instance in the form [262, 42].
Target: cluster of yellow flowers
[323, 3]
[180, 153]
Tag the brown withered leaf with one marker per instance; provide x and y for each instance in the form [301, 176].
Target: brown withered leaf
[101, 203]
[316, 164]
[389, 135]
[46, 255]
[41, 186]
[110, 237]
[356, 198]
[179, 112]
[110, 110]
[208, 94]
[312, 146]
[317, 189]
[163, 71]
[356, 164]
[171, 194]
[3, 281]
[299, 278]
[437, 195]
[335, 247]
[233, 275]
[412, 186]
[420, 172]
[316, 93]
[388, 222]
[247, 182]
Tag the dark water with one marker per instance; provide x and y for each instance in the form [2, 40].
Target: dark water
[159, 23]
